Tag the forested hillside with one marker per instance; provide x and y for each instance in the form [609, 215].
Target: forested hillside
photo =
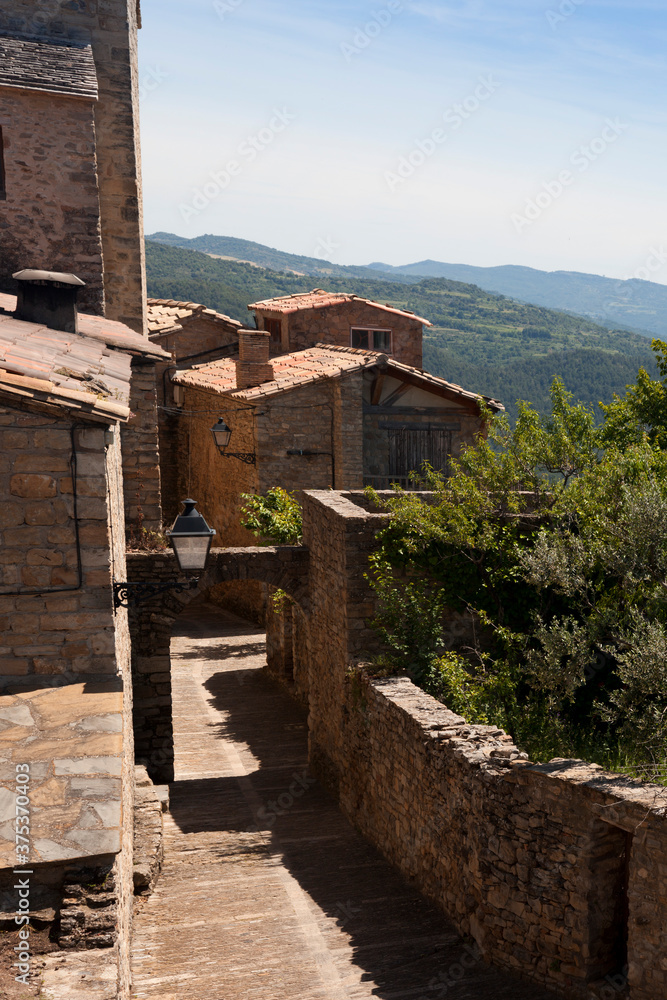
[486, 342]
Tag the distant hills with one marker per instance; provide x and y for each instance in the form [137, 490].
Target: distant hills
[487, 342]
[639, 305]
[632, 304]
[256, 253]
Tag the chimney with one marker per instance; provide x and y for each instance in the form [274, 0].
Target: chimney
[49, 298]
[253, 366]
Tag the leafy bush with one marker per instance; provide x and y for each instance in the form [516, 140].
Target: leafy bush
[553, 536]
[274, 517]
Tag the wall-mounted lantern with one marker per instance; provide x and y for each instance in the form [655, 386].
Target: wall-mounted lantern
[190, 538]
[222, 435]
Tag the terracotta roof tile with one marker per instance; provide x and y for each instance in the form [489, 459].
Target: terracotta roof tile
[99, 328]
[320, 299]
[319, 362]
[167, 315]
[58, 69]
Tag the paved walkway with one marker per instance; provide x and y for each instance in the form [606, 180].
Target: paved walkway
[267, 891]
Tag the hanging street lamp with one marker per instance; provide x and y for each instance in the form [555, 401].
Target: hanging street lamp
[190, 538]
[222, 435]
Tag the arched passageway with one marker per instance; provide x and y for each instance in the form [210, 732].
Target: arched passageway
[153, 622]
[267, 891]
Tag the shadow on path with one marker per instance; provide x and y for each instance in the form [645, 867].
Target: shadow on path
[383, 939]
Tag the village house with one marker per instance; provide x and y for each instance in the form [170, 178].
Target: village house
[189, 333]
[298, 321]
[326, 416]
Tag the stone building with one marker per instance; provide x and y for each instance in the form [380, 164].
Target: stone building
[298, 321]
[65, 679]
[190, 333]
[70, 173]
[325, 416]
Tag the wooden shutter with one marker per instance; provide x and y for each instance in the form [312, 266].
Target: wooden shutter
[410, 447]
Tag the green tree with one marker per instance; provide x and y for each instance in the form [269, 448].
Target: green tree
[274, 517]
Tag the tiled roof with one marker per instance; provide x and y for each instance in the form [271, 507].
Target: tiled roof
[58, 69]
[88, 372]
[290, 370]
[319, 299]
[167, 315]
[320, 362]
[110, 332]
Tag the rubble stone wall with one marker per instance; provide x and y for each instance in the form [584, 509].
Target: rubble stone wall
[536, 862]
[50, 219]
[48, 624]
[141, 452]
[110, 26]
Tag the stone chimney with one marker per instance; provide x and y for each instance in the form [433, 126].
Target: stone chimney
[49, 298]
[253, 366]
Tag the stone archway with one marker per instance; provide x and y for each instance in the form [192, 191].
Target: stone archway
[151, 626]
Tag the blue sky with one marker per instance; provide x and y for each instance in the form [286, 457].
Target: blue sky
[478, 131]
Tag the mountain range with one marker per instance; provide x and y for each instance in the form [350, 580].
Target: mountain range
[632, 303]
[487, 342]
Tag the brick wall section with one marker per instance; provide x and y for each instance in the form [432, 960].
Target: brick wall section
[151, 626]
[526, 859]
[141, 451]
[51, 217]
[111, 27]
[333, 324]
[348, 432]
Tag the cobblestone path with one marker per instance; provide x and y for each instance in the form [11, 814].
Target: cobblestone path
[267, 892]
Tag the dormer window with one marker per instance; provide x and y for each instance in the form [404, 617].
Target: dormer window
[371, 340]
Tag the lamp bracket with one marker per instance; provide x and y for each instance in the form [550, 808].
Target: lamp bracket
[248, 457]
[132, 595]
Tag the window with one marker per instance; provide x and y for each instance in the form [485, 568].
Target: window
[371, 340]
[3, 190]
[273, 327]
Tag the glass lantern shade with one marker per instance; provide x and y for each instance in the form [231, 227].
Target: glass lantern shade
[221, 434]
[191, 538]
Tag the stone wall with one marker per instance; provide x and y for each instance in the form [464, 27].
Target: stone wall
[215, 482]
[51, 621]
[530, 860]
[110, 26]
[51, 217]
[65, 656]
[333, 324]
[141, 451]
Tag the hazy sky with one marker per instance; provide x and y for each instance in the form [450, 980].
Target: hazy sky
[478, 131]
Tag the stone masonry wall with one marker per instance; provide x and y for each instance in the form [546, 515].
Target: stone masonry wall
[530, 860]
[203, 473]
[333, 324]
[48, 623]
[51, 217]
[141, 451]
[110, 26]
